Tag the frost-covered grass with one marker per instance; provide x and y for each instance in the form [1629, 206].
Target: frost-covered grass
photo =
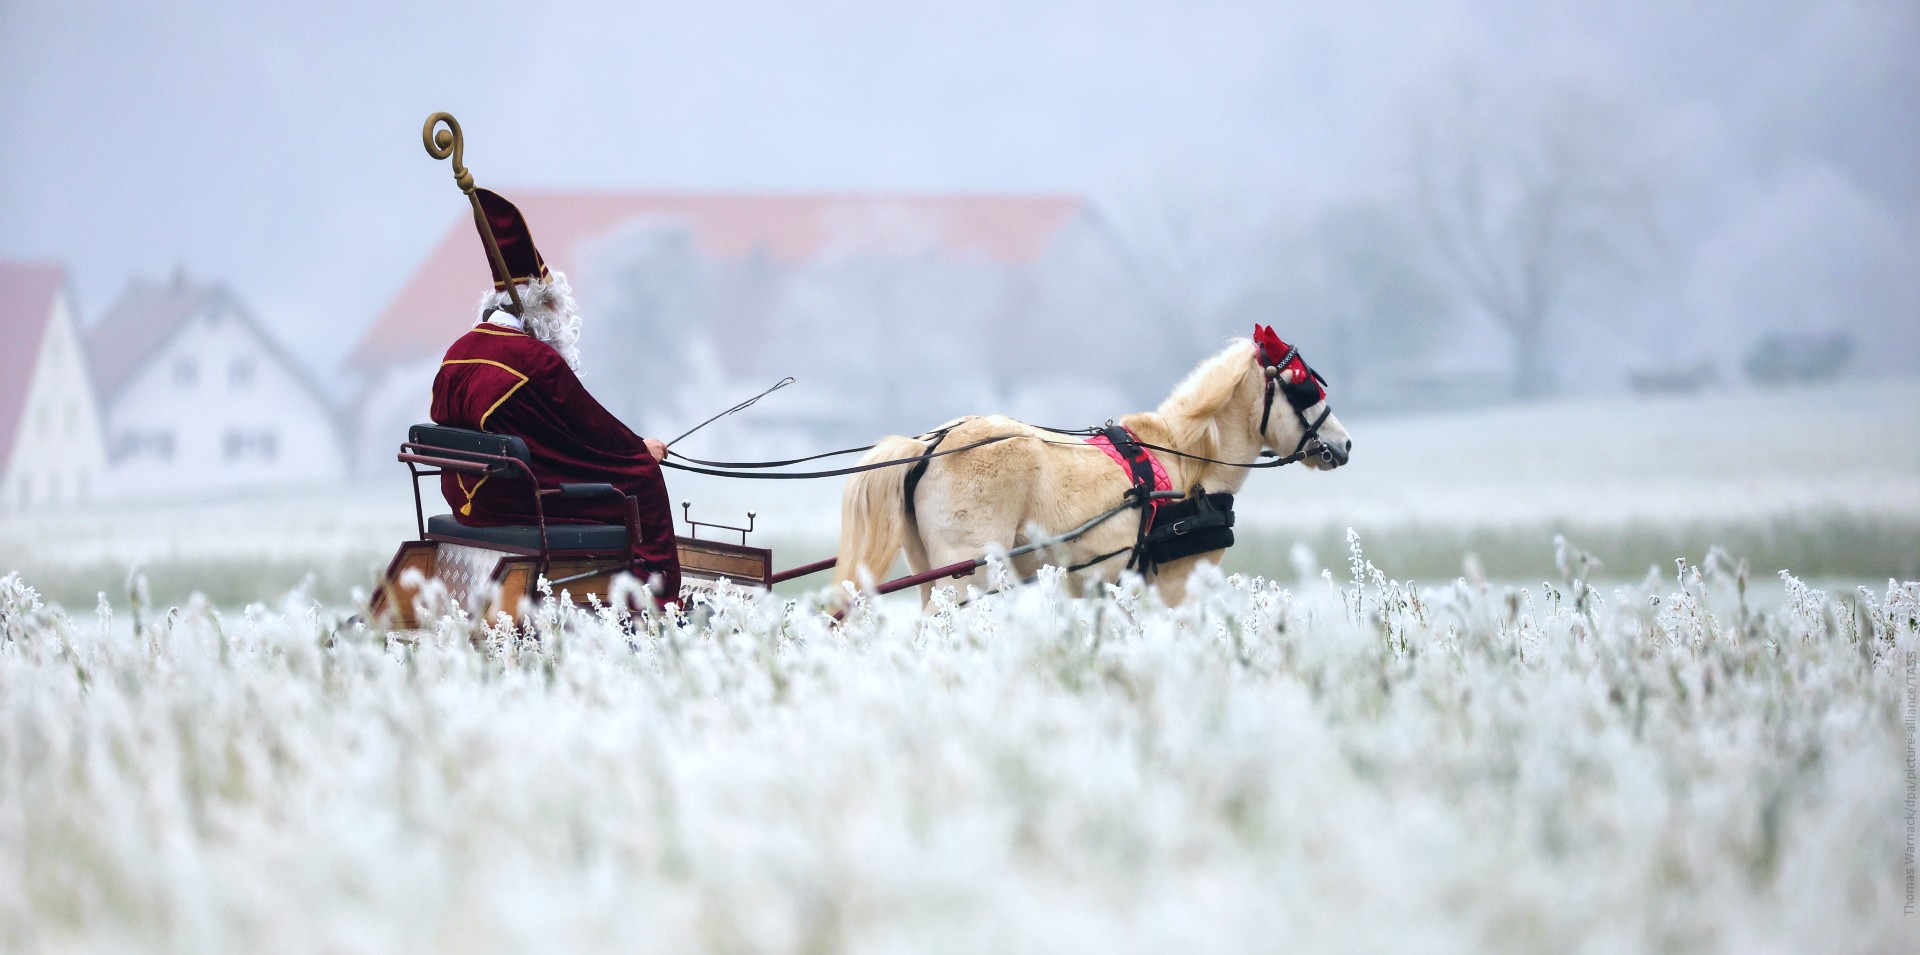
[1361, 766]
[1678, 763]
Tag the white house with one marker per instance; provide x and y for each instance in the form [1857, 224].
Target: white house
[199, 397]
[51, 453]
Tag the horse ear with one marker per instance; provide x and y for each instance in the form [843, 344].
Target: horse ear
[1265, 339]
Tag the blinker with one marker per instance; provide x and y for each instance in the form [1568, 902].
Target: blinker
[1302, 394]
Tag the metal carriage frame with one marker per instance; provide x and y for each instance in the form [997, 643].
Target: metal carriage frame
[490, 571]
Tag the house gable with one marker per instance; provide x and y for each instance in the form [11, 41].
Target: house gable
[31, 288]
[53, 453]
[214, 403]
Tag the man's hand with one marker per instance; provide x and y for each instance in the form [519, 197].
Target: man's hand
[656, 448]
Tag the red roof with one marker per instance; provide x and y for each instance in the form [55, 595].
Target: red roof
[31, 288]
[437, 303]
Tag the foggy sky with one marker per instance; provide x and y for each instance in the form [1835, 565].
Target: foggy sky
[277, 147]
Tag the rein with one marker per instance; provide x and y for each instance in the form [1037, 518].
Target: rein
[1273, 458]
[836, 472]
[1277, 459]
[1309, 433]
[745, 465]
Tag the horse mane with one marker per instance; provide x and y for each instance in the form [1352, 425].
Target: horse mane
[1192, 412]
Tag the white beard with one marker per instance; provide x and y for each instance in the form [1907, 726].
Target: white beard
[548, 313]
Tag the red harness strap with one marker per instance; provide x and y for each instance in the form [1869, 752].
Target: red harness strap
[1140, 464]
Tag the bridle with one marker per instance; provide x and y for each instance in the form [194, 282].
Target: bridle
[1301, 395]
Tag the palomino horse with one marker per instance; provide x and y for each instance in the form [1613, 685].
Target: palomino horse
[1035, 484]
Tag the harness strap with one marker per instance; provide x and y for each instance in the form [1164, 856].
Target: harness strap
[1103, 558]
[1121, 445]
[1266, 407]
[920, 470]
[1148, 476]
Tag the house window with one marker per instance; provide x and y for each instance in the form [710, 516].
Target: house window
[252, 445]
[186, 372]
[132, 445]
[240, 373]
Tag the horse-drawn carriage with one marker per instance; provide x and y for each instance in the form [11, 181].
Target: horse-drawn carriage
[502, 570]
[1024, 492]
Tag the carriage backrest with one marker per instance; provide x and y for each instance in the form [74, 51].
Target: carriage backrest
[461, 443]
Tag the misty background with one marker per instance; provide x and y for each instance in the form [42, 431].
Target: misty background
[1452, 207]
[1726, 171]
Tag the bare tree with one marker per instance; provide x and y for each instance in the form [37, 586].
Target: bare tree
[649, 304]
[1529, 206]
[1363, 269]
[1203, 259]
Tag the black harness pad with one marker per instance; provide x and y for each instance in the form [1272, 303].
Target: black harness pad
[1196, 524]
[919, 471]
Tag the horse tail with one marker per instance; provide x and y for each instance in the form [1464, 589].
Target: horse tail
[873, 513]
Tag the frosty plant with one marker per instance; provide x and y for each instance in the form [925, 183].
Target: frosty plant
[1370, 767]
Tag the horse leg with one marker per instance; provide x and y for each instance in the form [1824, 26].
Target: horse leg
[1172, 582]
[1172, 579]
[960, 543]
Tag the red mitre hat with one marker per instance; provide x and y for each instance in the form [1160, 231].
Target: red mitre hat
[516, 243]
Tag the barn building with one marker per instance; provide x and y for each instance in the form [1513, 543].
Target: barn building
[199, 397]
[684, 291]
[51, 452]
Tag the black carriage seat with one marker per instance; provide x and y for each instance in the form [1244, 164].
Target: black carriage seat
[600, 537]
[505, 456]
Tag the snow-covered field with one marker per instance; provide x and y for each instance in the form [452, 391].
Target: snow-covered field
[1693, 760]
[1352, 767]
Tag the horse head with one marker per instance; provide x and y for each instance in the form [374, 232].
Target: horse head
[1294, 415]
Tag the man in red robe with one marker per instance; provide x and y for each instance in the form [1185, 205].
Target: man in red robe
[519, 375]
